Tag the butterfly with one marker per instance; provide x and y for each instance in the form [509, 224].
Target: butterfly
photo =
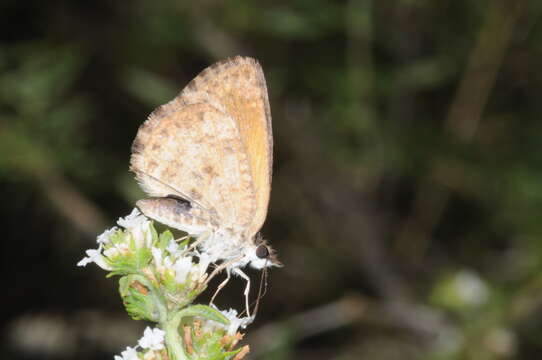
[205, 159]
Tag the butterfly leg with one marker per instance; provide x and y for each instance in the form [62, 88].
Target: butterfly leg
[204, 236]
[181, 239]
[247, 288]
[222, 284]
[198, 241]
[221, 267]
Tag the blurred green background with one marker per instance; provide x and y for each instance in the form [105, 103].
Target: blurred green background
[407, 190]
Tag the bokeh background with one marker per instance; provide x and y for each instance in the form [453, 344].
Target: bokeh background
[407, 193]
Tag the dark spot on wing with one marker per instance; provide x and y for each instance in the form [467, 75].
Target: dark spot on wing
[191, 86]
[137, 146]
[152, 164]
[181, 205]
[205, 73]
[197, 176]
[194, 194]
[209, 170]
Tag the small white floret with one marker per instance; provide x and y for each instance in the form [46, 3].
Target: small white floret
[139, 227]
[157, 256]
[134, 219]
[182, 268]
[103, 238]
[128, 354]
[116, 250]
[172, 247]
[152, 339]
[204, 262]
[95, 256]
[235, 322]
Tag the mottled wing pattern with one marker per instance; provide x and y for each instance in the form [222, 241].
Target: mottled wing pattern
[238, 84]
[194, 151]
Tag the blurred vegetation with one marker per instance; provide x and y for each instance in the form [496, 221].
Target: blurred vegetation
[407, 192]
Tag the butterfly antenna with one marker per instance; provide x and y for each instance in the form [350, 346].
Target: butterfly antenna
[262, 290]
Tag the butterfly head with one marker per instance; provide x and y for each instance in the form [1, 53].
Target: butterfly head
[262, 255]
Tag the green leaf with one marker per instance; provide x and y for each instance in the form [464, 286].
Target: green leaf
[165, 239]
[207, 312]
[143, 258]
[154, 233]
[138, 304]
[214, 347]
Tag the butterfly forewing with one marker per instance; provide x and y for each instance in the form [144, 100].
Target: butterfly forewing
[239, 86]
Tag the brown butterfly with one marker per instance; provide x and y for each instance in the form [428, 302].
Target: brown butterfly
[205, 159]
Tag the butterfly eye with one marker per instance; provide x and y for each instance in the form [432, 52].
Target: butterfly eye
[262, 252]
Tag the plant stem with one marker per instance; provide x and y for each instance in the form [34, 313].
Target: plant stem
[174, 342]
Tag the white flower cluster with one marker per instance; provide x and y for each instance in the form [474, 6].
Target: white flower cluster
[175, 258]
[138, 226]
[181, 261]
[177, 262]
[152, 340]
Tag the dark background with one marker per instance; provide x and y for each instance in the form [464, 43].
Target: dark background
[407, 190]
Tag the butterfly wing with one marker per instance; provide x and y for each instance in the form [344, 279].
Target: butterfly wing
[238, 84]
[194, 151]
